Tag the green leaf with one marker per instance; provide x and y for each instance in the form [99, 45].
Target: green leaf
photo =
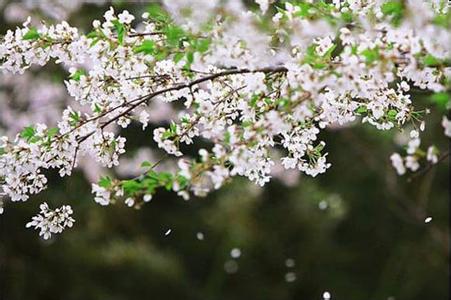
[246, 124]
[77, 75]
[183, 181]
[75, 116]
[315, 60]
[165, 179]
[147, 47]
[442, 100]
[371, 55]
[167, 134]
[443, 20]
[97, 109]
[120, 29]
[178, 56]
[392, 7]
[227, 137]
[202, 45]
[51, 132]
[319, 148]
[160, 55]
[146, 164]
[156, 13]
[105, 182]
[329, 52]
[254, 100]
[305, 9]
[32, 34]
[347, 17]
[395, 9]
[430, 60]
[174, 35]
[131, 186]
[28, 133]
[190, 57]
[173, 127]
[362, 109]
[96, 36]
[391, 115]
[92, 34]
[283, 102]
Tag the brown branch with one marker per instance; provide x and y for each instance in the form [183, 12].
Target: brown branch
[135, 103]
[136, 34]
[428, 167]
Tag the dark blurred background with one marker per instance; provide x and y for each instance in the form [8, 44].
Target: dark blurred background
[357, 232]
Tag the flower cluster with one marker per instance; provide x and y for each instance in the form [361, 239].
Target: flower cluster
[50, 221]
[257, 97]
[414, 153]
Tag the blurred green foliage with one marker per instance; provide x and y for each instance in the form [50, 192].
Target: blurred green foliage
[367, 242]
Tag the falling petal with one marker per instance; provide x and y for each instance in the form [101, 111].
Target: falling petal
[235, 253]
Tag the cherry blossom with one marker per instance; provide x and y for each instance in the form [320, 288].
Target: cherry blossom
[259, 98]
[50, 221]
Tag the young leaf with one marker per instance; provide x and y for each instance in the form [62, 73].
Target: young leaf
[190, 57]
[156, 13]
[77, 75]
[430, 60]
[146, 164]
[131, 186]
[362, 109]
[395, 9]
[105, 182]
[120, 29]
[173, 35]
[51, 132]
[32, 34]
[178, 56]
[147, 47]
[28, 133]
[202, 45]
[371, 55]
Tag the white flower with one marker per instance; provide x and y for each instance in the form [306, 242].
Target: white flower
[129, 202]
[219, 175]
[51, 221]
[96, 23]
[264, 4]
[405, 86]
[144, 118]
[413, 145]
[289, 162]
[123, 122]
[414, 134]
[109, 15]
[398, 163]
[323, 44]
[412, 163]
[125, 17]
[447, 125]
[102, 195]
[432, 155]
[245, 97]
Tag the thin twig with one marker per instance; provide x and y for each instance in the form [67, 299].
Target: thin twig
[428, 167]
